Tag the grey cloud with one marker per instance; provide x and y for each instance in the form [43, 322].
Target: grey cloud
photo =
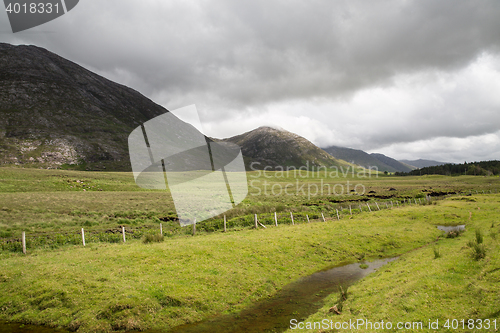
[235, 57]
[254, 52]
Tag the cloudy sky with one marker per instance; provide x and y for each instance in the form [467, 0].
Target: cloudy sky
[410, 79]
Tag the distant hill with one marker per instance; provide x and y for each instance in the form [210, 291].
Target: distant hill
[420, 163]
[54, 112]
[484, 168]
[359, 157]
[392, 162]
[267, 146]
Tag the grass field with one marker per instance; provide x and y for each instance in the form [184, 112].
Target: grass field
[108, 285]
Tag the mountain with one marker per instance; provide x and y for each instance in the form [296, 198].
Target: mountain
[267, 146]
[420, 163]
[392, 163]
[359, 157]
[54, 112]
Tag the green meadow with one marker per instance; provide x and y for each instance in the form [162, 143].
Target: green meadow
[449, 284]
[179, 278]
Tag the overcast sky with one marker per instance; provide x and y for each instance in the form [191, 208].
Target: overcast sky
[410, 79]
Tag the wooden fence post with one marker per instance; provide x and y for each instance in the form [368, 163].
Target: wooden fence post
[224, 223]
[83, 237]
[369, 207]
[275, 219]
[350, 210]
[338, 217]
[123, 233]
[323, 216]
[255, 220]
[415, 201]
[23, 240]
[307, 218]
[291, 215]
[377, 205]
[161, 230]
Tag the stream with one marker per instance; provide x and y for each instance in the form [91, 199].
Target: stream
[297, 300]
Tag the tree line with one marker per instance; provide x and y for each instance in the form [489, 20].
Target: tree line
[484, 168]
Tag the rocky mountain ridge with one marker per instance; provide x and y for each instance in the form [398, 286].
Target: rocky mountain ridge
[272, 147]
[54, 112]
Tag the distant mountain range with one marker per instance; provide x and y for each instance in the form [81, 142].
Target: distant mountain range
[359, 157]
[55, 113]
[422, 163]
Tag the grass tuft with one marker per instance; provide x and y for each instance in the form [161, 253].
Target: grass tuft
[454, 233]
[479, 236]
[152, 238]
[478, 251]
[437, 254]
[342, 299]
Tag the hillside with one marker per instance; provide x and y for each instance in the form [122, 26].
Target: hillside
[392, 163]
[54, 112]
[359, 157]
[267, 146]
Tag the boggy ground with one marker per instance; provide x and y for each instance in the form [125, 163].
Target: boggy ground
[114, 286]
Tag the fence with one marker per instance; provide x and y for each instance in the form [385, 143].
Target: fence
[120, 234]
